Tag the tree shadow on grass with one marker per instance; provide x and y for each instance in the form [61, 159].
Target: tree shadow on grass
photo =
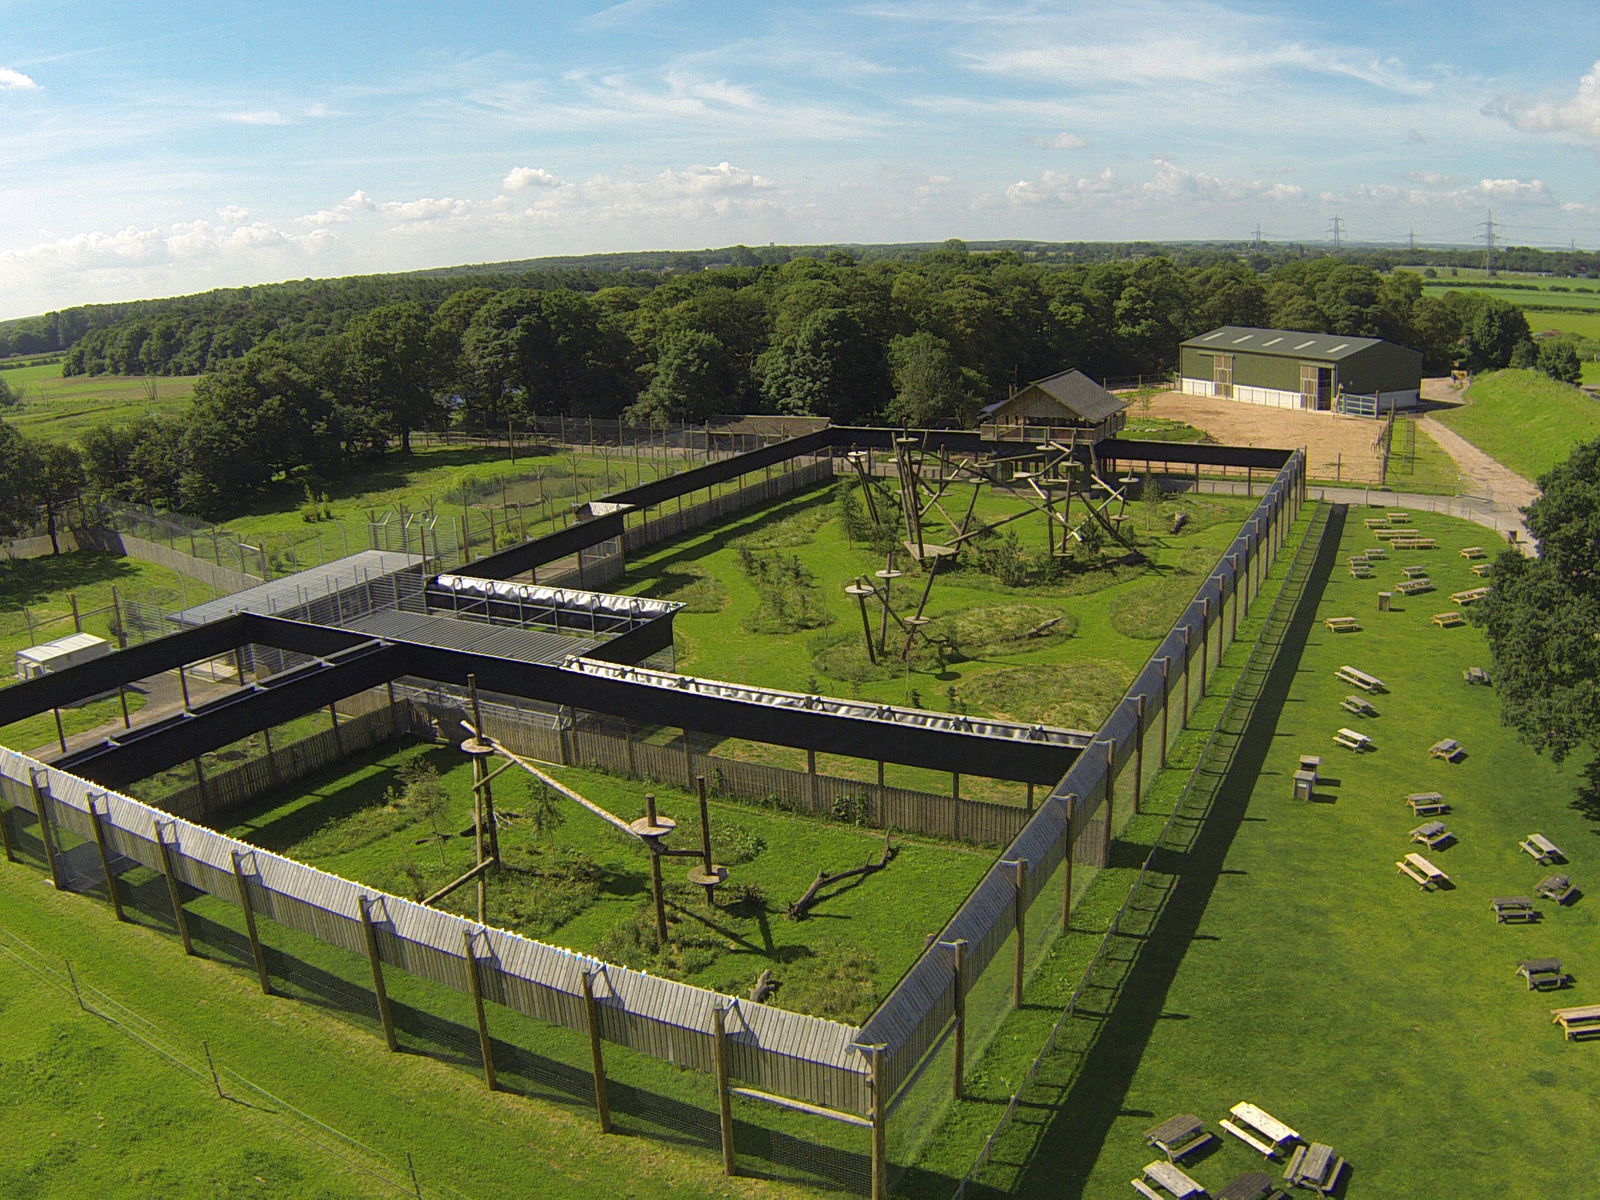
[26, 581]
[1070, 1125]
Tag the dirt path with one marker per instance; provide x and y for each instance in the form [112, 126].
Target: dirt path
[1486, 476]
[1337, 447]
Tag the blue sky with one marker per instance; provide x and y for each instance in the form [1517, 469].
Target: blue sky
[166, 148]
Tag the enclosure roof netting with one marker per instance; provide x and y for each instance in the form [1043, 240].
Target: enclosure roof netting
[480, 637]
[566, 599]
[1071, 389]
[1285, 343]
[293, 591]
[861, 710]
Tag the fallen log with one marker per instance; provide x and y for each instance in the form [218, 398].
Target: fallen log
[763, 987]
[798, 910]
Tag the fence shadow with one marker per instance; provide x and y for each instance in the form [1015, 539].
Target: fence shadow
[1075, 1124]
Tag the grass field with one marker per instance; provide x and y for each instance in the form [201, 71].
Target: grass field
[62, 409]
[585, 885]
[1419, 464]
[1524, 419]
[1293, 966]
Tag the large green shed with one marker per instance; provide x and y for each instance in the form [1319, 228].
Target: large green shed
[1283, 368]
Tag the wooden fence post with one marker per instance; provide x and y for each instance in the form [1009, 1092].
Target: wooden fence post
[719, 1054]
[597, 1062]
[1019, 875]
[1205, 644]
[880, 1121]
[1233, 620]
[475, 985]
[178, 914]
[5, 833]
[958, 1003]
[1166, 705]
[1068, 803]
[112, 890]
[46, 832]
[370, 932]
[1138, 751]
[250, 926]
[1186, 657]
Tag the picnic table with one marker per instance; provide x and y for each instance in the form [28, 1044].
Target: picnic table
[1421, 871]
[1431, 834]
[1513, 908]
[1544, 851]
[1352, 739]
[1170, 1179]
[1554, 887]
[1446, 748]
[1577, 1022]
[1413, 543]
[1482, 570]
[1259, 1129]
[1415, 571]
[1375, 522]
[1178, 1136]
[1342, 624]
[1470, 596]
[1476, 675]
[1425, 804]
[1358, 706]
[1389, 534]
[1367, 683]
[1399, 518]
[1377, 552]
[1447, 620]
[1414, 586]
[1361, 571]
[1252, 1185]
[1311, 762]
[1472, 552]
[1542, 972]
[1315, 1166]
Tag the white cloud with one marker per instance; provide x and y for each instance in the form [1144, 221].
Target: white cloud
[527, 177]
[16, 81]
[358, 201]
[425, 209]
[1579, 116]
[1516, 189]
[1066, 141]
[234, 214]
[1056, 188]
[259, 116]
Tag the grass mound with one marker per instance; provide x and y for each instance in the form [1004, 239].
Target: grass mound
[1525, 419]
[1075, 695]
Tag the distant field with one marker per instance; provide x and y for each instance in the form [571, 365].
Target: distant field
[61, 410]
[1525, 420]
[1537, 297]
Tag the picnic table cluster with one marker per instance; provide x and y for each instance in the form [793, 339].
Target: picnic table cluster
[1314, 1165]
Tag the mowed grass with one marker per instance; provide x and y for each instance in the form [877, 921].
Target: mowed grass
[861, 937]
[1524, 419]
[62, 409]
[99, 1115]
[1419, 464]
[1295, 967]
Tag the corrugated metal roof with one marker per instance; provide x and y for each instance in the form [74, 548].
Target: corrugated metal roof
[292, 591]
[480, 637]
[1282, 343]
[1074, 391]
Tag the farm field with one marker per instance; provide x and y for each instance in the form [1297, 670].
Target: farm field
[63, 409]
[585, 885]
[1524, 419]
[1331, 1014]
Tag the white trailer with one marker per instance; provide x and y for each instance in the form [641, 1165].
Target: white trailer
[64, 652]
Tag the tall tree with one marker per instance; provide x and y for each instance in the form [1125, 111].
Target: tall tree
[394, 364]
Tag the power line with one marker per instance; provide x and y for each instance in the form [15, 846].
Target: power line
[1337, 226]
[1488, 244]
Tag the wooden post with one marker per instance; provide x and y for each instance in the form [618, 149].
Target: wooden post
[370, 932]
[61, 734]
[1186, 657]
[597, 1062]
[77, 621]
[1205, 643]
[183, 684]
[811, 777]
[1111, 797]
[122, 696]
[178, 914]
[46, 833]
[880, 1123]
[688, 760]
[1030, 797]
[5, 833]
[958, 1002]
[116, 618]
[1233, 620]
[1138, 752]
[719, 1054]
[333, 723]
[1019, 870]
[112, 890]
[476, 987]
[1068, 802]
[1166, 706]
[250, 926]
[660, 902]
[272, 759]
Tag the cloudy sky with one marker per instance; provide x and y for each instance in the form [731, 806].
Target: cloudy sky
[165, 148]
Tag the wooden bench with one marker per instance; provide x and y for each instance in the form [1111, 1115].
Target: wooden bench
[1470, 596]
[1145, 1190]
[1544, 851]
[1431, 835]
[1249, 1139]
[1446, 748]
[1446, 620]
[1352, 739]
[1316, 1167]
[1389, 535]
[1414, 543]
[1361, 571]
[1413, 587]
[1260, 1129]
[1342, 624]
[1415, 571]
[1427, 803]
[1399, 518]
[1472, 552]
[1482, 570]
[1577, 1022]
[1375, 522]
[1172, 1179]
[1476, 675]
[1358, 706]
[1513, 908]
[1554, 887]
[1376, 552]
[1542, 973]
[1367, 683]
[1423, 872]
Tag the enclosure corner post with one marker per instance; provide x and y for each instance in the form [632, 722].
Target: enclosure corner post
[475, 985]
[719, 1054]
[385, 1015]
[178, 914]
[597, 1062]
[880, 1120]
[1019, 870]
[256, 952]
[112, 890]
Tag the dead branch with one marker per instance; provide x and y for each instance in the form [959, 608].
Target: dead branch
[798, 910]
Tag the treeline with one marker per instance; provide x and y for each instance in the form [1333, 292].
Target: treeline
[921, 343]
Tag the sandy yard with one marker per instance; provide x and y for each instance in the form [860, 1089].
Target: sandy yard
[1338, 448]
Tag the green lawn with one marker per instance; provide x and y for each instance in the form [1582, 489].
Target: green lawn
[1293, 966]
[1524, 419]
[1418, 464]
[317, 1107]
[63, 409]
[837, 963]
